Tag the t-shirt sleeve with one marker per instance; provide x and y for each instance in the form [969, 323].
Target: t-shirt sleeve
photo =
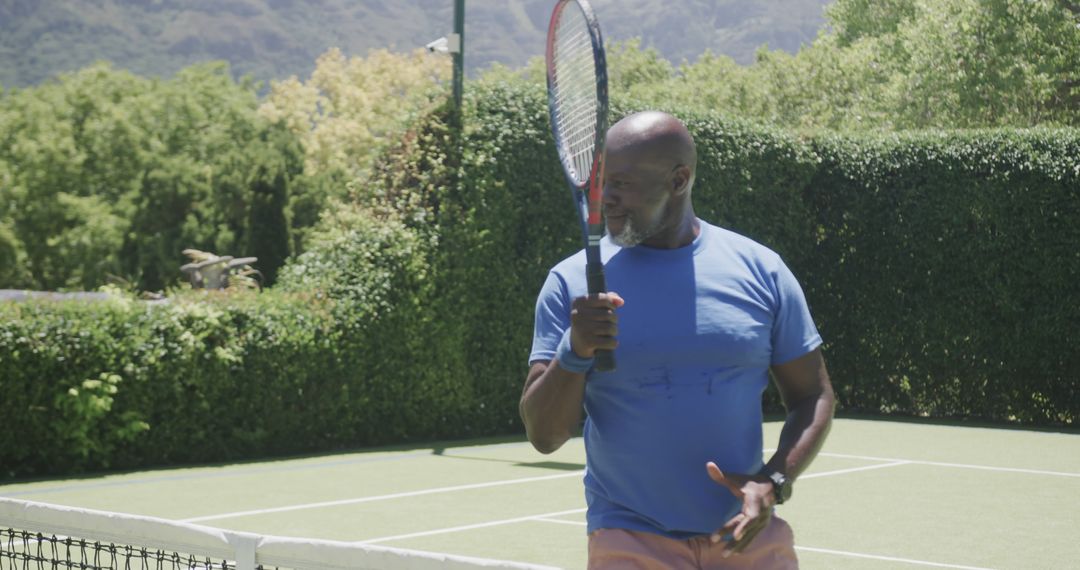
[793, 331]
[552, 318]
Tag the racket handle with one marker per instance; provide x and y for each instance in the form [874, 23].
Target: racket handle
[605, 361]
[594, 275]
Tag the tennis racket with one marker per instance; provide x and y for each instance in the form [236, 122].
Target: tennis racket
[578, 106]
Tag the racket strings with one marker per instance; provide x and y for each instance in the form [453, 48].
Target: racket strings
[575, 92]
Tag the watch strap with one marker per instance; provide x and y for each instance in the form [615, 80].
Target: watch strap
[781, 484]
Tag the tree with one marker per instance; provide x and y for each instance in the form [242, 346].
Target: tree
[631, 68]
[268, 236]
[350, 108]
[965, 63]
[68, 149]
[890, 64]
[852, 20]
[103, 173]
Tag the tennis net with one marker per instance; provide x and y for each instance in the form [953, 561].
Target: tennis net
[40, 535]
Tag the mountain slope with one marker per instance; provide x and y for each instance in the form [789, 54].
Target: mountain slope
[272, 39]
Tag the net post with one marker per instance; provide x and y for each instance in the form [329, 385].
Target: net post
[245, 546]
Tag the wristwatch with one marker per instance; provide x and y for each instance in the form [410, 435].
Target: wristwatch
[781, 485]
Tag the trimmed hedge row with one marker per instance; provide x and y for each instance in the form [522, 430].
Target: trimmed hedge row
[124, 383]
[946, 274]
[942, 269]
[217, 377]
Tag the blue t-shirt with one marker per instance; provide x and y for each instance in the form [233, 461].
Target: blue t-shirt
[699, 330]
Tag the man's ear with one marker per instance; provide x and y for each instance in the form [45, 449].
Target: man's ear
[681, 180]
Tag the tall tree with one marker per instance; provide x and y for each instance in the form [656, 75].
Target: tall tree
[104, 173]
[897, 64]
[969, 63]
[268, 236]
[350, 108]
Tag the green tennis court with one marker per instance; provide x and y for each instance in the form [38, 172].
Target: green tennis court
[882, 494]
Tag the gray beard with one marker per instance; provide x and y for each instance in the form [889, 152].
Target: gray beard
[630, 235]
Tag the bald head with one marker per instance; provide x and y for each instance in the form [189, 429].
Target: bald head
[649, 172]
[657, 136]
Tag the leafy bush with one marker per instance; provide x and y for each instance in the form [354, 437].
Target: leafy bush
[945, 271]
[941, 269]
[105, 174]
[929, 258]
[204, 377]
[211, 377]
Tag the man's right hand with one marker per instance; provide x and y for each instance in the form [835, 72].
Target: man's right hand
[594, 324]
[552, 401]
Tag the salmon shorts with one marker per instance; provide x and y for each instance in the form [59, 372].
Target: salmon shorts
[619, 549]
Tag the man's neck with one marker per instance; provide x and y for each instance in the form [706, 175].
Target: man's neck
[681, 234]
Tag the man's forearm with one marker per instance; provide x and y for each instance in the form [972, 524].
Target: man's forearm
[804, 433]
[551, 405]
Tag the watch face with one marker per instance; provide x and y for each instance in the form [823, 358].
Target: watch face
[785, 491]
[781, 487]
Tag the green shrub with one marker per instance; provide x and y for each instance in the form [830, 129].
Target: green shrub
[103, 174]
[941, 269]
[945, 272]
[125, 383]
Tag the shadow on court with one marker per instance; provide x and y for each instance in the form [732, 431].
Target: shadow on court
[554, 465]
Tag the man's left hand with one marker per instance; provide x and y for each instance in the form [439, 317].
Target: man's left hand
[756, 493]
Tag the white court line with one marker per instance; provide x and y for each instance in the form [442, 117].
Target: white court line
[959, 465]
[561, 521]
[941, 464]
[890, 462]
[545, 516]
[382, 497]
[888, 558]
[852, 470]
[471, 526]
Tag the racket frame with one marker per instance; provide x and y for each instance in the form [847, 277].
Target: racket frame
[587, 194]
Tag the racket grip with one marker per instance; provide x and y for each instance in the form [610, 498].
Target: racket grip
[594, 275]
[605, 361]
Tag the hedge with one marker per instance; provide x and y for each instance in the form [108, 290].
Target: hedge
[942, 270]
[125, 383]
[946, 274]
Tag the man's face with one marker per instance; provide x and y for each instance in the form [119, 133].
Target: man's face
[636, 199]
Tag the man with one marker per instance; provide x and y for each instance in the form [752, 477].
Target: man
[673, 436]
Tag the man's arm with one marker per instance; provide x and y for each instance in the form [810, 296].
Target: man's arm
[551, 402]
[551, 405]
[809, 399]
[808, 396]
